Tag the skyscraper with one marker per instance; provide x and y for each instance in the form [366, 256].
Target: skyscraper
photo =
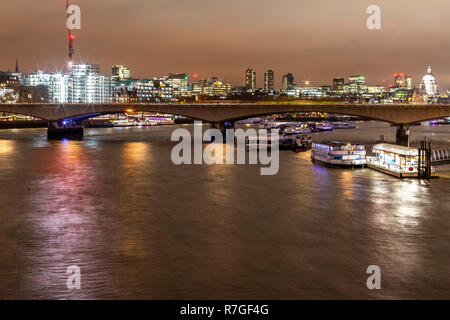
[288, 82]
[250, 79]
[178, 82]
[357, 84]
[88, 86]
[403, 81]
[84, 85]
[269, 84]
[121, 72]
[338, 84]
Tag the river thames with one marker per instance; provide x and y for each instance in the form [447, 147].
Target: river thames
[140, 227]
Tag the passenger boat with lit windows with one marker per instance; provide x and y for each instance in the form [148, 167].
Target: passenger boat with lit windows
[398, 161]
[343, 125]
[320, 126]
[339, 154]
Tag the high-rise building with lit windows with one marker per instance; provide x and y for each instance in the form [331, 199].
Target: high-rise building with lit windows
[211, 86]
[178, 82]
[84, 85]
[338, 84]
[357, 84]
[403, 81]
[121, 72]
[250, 79]
[269, 82]
[56, 83]
[288, 82]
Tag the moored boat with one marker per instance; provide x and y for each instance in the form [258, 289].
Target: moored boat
[343, 125]
[339, 154]
[398, 161]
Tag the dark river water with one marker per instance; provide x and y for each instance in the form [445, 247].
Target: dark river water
[141, 227]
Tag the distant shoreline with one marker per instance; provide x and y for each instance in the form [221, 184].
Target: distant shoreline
[23, 124]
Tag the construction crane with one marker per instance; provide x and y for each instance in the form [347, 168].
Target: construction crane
[71, 37]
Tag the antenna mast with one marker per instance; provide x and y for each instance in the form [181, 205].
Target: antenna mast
[71, 37]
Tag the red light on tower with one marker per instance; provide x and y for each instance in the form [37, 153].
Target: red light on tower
[71, 36]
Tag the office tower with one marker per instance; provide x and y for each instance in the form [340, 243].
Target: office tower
[178, 82]
[88, 86]
[250, 79]
[357, 84]
[121, 72]
[56, 84]
[211, 86]
[269, 83]
[84, 85]
[403, 81]
[338, 84]
[288, 82]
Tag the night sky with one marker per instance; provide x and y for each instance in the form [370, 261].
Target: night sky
[316, 40]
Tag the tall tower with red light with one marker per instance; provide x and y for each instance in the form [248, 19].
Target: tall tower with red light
[71, 38]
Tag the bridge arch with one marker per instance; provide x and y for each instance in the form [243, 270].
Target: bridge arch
[24, 113]
[285, 112]
[86, 116]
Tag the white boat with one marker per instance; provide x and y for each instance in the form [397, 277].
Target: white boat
[270, 124]
[249, 121]
[339, 154]
[343, 125]
[399, 161]
[296, 129]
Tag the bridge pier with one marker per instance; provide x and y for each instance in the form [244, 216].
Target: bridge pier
[402, 135]
[222, 127]
[65, 129]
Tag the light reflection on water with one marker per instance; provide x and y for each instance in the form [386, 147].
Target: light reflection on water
[141, 227]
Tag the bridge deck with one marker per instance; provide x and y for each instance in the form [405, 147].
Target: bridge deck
[219, 112]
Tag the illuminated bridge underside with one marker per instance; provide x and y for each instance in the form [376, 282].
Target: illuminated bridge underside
[398, 114]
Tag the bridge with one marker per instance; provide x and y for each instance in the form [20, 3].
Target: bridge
[401, 115]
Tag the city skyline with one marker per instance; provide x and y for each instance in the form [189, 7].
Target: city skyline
[372, 53]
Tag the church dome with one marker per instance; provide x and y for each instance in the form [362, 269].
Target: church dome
[429, 83]
[429, 76]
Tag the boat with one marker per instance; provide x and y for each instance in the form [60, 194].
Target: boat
[296, 128]
[396, 160]
[249, 121]
[320, 126]
[268, 125]
[302, 143]
[343, 125]
[295, 142]
[325, 126]
[438, 122]
[339, 154]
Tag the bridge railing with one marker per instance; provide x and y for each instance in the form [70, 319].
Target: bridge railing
[440, 155]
